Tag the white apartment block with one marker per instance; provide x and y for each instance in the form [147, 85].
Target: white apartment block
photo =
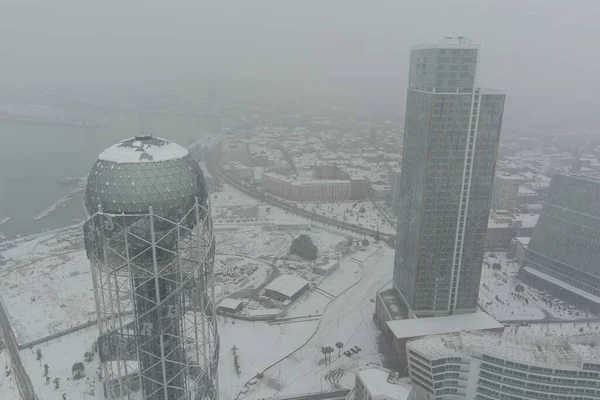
[487, 366]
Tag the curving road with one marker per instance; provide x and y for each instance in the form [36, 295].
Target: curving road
[216, 170]
[23, 382]
[338, 322]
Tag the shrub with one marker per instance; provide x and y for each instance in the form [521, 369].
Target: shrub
[304, 247]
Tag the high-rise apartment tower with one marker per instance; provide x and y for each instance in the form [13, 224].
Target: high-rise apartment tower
[451, 136]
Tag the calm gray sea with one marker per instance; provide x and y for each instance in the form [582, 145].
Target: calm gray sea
[33, 158]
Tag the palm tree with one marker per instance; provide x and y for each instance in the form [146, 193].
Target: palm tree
[324, 351]
[339, 345]
[329, 350]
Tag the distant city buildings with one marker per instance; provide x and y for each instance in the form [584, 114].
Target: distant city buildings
[506, 191]
[564, 249]
[487, 366]
[451, 137]
[305, 165]
[234, 150]
[504, 225]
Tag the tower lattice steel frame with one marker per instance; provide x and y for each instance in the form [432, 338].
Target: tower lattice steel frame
[155, 302]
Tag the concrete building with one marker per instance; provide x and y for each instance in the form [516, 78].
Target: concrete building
[277, 184]
[486, 366]
[359, 188]
[504, 226]
[241, 171]
[527, 196]
[327, 171]
[230, 305]
[377, 383]
[307, 190]
[326, 269]
[506, 191]
[286, 288]
[517, 248]
[234, 150]
[401, 332]
[564, 249]
[451, 136]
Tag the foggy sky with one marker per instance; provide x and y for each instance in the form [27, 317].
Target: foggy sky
[543, 52]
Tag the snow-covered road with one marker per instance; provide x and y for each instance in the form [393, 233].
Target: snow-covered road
[348, 319]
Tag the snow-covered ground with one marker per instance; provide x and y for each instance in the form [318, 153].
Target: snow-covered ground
[228, 196]
[258, 346]
[234, 273]
[498, 297]
[8, 386]
[60, 355]
[350, 211]
[46, 284]
[349, 319]
[47, 287]
[255, 241]
[502, 284]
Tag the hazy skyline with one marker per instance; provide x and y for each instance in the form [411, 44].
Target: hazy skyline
[541, 52]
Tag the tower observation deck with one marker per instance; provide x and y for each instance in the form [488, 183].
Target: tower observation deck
[149, 239]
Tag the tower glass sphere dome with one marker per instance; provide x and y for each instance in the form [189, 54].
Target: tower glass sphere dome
[150, 243]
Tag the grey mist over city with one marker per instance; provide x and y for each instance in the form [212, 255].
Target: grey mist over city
[296, 200]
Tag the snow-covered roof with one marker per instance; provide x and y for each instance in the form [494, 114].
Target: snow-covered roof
[507, 176]
[230, 304]
[523, 240]
[143, 149]
[287, 285]
[525, 191]
[563, 285]
[377, 381]
[542, 351]
[416, 327]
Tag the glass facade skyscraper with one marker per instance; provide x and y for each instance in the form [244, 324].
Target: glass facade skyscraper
[451, 138]
[565, 246]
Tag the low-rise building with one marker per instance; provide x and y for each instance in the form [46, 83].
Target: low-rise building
[306, 190]
[241, 171]
[286, 287]
[234, 150]
[504, 226]
[230, 305]
[400, 332]
[488, 366]
[505, 190]
[527, 196]
[326, 269]
[378, 383]
[517, 248]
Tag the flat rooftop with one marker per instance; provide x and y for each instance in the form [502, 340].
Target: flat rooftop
[540, 351]
[229, 303]
[417, 327]
[449, 42]
[287, 285]
[380, 382]
[393, 303]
